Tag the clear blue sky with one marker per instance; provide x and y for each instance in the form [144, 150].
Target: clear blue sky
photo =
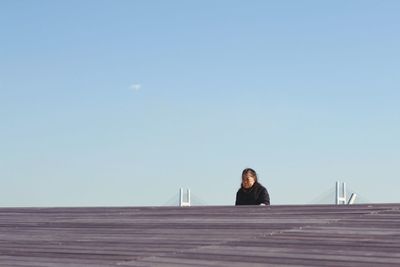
[106, 103]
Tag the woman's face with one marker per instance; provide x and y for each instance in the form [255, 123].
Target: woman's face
[248, 180]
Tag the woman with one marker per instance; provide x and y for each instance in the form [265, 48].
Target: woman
[251, 191]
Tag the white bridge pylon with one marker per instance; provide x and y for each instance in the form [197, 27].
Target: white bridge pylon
[340, 197]
[184, 201]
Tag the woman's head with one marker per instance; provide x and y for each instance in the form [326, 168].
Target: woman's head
[249, 178]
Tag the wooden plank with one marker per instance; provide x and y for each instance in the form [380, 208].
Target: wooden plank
[315, 235]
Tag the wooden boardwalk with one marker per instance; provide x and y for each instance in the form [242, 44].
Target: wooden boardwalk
[318, 235]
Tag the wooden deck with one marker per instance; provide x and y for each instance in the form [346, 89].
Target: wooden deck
[320, 235]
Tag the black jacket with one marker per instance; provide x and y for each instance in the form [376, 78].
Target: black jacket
[255, 195]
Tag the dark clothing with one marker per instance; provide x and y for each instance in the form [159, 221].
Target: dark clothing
[255, 195]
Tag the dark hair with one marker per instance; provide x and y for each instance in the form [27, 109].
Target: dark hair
[251, 172]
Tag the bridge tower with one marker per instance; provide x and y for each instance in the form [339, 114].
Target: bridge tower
[340, 197]
[184, 201]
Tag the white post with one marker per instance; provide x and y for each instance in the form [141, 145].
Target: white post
[180, 197]
[337, 192]
[340, 194]
[182, 202]
[188, 197]
[344, 197]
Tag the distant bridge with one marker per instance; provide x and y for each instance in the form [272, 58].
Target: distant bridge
[185, 199]
[328, 196]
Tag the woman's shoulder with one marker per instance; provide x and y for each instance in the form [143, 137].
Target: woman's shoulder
[240, 190]
[260, 186]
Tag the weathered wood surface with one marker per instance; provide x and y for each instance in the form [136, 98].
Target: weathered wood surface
[318, 235]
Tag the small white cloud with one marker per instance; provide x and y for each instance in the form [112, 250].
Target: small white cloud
[135, 87]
